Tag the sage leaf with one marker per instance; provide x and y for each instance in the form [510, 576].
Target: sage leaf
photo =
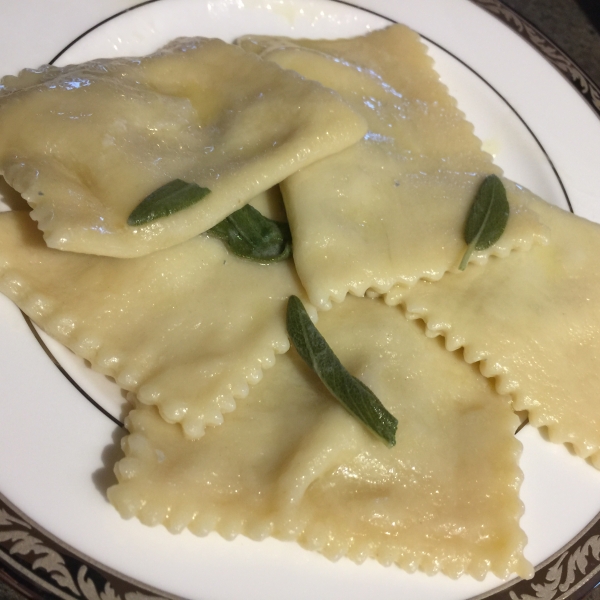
[356, 397]
[487, 217]
[251, 235]
[166, 200]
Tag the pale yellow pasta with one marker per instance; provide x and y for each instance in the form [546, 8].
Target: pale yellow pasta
[391, 208]
[87, 143]
[533, 322]
[187, 328]
[292, 463]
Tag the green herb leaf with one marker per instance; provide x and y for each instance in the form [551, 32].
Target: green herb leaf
[253, 236]
[350, 391]
[166, 200]
[487, 218]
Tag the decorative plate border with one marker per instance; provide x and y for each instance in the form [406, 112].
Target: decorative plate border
[576, 76]
[567, 575]
[575, 569]
[44, 567]
[50, 569]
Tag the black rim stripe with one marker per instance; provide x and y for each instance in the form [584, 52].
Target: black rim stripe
[79, 37]
[66, 374]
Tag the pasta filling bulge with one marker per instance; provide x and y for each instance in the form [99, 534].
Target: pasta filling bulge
[377, 168]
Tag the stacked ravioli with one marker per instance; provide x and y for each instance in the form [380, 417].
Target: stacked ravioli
[229, 429]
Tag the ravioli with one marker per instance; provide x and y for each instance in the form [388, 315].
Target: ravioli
[533, 322]
[391, 208]
[187, 328]
[85, 144]
[445, 498]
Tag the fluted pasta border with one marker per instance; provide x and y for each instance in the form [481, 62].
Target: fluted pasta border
[574, 569]
[567, 575]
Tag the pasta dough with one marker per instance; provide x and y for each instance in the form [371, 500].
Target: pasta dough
[391, 208]
[445, 498]
[533, 322]
[174, 327]
[188, 327]
[87, 143]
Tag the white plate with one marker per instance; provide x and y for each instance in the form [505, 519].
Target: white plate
[57, 449]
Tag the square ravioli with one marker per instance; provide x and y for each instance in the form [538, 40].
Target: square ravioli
[532, 321]
[444, 499]
[392, 207]
[172, 326]
[86, 144]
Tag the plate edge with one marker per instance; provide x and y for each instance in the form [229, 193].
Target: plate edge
[574, 74]
[17, 531]
[50, 566]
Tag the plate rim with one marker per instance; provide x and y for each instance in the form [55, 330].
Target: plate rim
[68, 570]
